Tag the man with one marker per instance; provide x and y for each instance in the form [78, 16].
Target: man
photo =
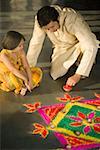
[71, 37]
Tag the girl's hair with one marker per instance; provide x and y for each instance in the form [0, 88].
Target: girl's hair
[47, 14]
[11, 40]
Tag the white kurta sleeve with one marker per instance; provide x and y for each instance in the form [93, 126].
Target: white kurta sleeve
[35, 44]
[88, 45]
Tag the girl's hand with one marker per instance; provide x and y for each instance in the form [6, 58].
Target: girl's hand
[29, 85]
[23, 91]
[73, 80]
[26, 84]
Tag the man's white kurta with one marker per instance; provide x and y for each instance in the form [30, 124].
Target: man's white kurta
[72, 38]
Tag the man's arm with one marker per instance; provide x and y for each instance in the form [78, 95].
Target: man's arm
[35, 44]
[88, 44]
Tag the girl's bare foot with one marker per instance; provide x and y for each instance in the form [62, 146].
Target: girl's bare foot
[23, 91]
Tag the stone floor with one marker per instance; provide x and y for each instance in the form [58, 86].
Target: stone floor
[16, 125]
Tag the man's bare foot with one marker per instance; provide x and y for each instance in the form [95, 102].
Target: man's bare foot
[23, 91]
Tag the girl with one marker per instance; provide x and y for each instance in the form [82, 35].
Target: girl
[15, 73]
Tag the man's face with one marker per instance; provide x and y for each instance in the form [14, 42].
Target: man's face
[52, 26]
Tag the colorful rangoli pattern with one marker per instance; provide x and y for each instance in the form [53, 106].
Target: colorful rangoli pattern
[75, 123]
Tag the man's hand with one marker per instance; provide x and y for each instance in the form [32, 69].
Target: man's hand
[73, 80]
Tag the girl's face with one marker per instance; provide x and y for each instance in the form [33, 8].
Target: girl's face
[20, 46]
[53, 26]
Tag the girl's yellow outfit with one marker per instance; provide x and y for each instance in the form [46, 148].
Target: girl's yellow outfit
[10, 82]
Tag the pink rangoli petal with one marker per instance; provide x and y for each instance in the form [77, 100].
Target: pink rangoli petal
[87, 129]
[91, 115]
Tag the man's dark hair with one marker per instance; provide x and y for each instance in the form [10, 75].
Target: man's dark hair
[11, 40]
[47, 14]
